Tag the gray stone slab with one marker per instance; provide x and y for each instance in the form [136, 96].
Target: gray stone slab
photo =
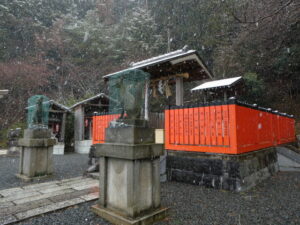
[71, 195]
[7, 220]
[28, 190]
[24, 207]
[71, 179]
[9, 191]
[90, 197]
[18, 196]
[48, 190]
[95, 184]
[41, 186]
[48, 208]
[76, 182]
[43, 196]
[6, 204]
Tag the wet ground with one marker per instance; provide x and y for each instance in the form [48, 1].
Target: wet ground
[274, 201]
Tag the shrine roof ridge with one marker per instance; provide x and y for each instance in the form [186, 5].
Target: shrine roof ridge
[173, 57]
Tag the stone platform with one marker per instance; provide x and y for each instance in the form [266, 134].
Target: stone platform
[20, 203]
[220, 171]
[115, 218]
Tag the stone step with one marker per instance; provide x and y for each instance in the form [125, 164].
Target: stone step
[288, 158]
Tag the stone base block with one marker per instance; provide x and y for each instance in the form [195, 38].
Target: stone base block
[36, 161]
[28, 179]
[58, 149]
[129, 135]
[220, 171]
[83, 147]
[117, 219]
[37, 133]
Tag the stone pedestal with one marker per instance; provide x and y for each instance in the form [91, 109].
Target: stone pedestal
[36, 154]
[130, 177]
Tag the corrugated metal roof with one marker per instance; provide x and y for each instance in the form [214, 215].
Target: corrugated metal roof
[218, 83]
[174, 58]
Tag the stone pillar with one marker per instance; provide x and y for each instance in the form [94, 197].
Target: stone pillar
[63, 127]
[36, 154]
[129, 177]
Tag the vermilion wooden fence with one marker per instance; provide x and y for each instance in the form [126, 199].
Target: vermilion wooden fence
[100, 123]
[228, 128]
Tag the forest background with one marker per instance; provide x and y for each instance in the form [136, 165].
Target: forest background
[62, 48]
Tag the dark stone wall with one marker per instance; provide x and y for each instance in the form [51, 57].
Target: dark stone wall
[219, 171]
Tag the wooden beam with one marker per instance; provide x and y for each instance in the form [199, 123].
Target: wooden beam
[147, 85]
[56, 111]
[63, 127]
[179, 91]
[183, 75]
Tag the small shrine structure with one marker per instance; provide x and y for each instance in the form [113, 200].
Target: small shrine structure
[213, 140]
[83, 120]
[57, 125]
[218, 89]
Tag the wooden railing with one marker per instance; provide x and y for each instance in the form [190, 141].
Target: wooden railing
[157, 120]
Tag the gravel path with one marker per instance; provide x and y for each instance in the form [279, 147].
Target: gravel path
[65, 166]
[275, 201]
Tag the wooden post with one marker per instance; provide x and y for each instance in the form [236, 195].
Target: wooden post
[63, 127]
[225, 95]
[179, 91]
[79, 123]
[147, 85]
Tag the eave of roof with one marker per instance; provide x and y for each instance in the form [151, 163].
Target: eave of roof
[172, 56]
[223, 83]
[63, 107]
[89, 99]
